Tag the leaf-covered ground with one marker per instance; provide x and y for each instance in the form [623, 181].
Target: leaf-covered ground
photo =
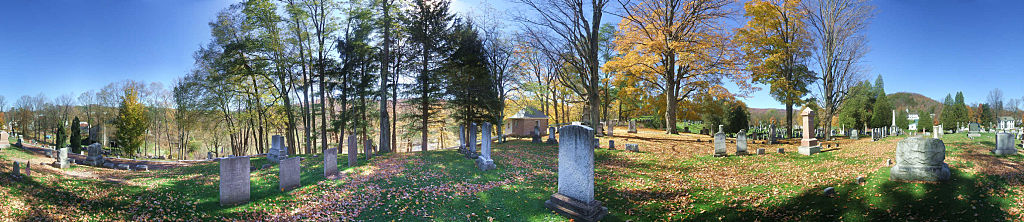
[673, 178]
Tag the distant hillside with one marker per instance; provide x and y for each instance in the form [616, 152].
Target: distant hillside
[913, 101]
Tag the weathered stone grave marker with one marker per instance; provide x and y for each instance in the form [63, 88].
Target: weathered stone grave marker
[277, 149]
[808, 145]
[551, 136]
[234, 180]
[484, 161]
[632, 126]
[1004, 145]
[741, 142]
[632, 147]
[920, 159]
[331, 163]
[353, 150]
[720, 150]
[471, 144]
[288, 174]
[575, 197]
[536, 134]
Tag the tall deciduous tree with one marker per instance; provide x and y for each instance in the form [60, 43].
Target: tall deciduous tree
[837, 27]
[776, 46]
[677, 47]
[575, 25]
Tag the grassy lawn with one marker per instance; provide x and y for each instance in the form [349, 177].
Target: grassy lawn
[673, 178]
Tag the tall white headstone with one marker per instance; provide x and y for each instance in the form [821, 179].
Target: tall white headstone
[575, 197]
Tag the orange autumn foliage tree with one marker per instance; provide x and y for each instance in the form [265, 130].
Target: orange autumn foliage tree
[675, 48]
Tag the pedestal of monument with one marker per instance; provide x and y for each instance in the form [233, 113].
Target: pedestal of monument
[809, 147]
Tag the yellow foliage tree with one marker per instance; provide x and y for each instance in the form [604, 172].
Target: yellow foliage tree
[676, 48]
[776, 45]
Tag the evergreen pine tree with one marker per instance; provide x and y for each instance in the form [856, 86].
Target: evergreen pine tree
[925, 123]
[76, 137]
[901, 120]
[473, 97]
[61, 139]
[429, 24]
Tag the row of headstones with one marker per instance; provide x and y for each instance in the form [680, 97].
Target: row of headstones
[741, 144]
[880, 133]
[235, 171]
[467, 144]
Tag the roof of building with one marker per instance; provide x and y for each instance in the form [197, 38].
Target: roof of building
[529, 113]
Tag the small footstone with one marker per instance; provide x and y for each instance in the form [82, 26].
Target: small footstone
[889, 161]
[760, 151]
[124, 167]
[142, 167]
[861, 180]
[265, 166]
[108, 165]
[633, 147]
[781, 150]
[830, 192]
[611, 144]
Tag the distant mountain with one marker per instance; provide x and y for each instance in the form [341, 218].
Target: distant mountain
[913, 101]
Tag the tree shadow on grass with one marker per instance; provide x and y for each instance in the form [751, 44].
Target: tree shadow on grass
[880, 199]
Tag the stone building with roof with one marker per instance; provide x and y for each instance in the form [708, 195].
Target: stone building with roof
[521, 124]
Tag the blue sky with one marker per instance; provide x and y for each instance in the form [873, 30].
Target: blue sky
[67, 46]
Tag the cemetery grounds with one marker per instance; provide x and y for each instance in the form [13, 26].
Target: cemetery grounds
[673, 178]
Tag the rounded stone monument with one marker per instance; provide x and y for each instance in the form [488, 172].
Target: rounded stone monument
[920, 159]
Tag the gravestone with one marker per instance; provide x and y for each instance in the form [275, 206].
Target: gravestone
[632, 147]
[720, 150]
[462, 139]
[551, 135]
[741, 142]
[575, 196]
[331, 162]
[277, 149]
[920, 159]
[288, 174]
[209, 155]
[536, 134]
[808, 145]
[4, 140]
[760, 151]
[62, 158]
[16, 171]
[974, 130]
[353, 150]
[935, 132]
[611, 144]
[471, 144]
[368, 149]
[597, 143]
[484, 161]
[234, 180]
[854, 135]
[28, 169]
[142, 167]
[124, 167]
[109, 165]
[611, 128]
[632, 126]
[95, 157]
[1004, 145]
